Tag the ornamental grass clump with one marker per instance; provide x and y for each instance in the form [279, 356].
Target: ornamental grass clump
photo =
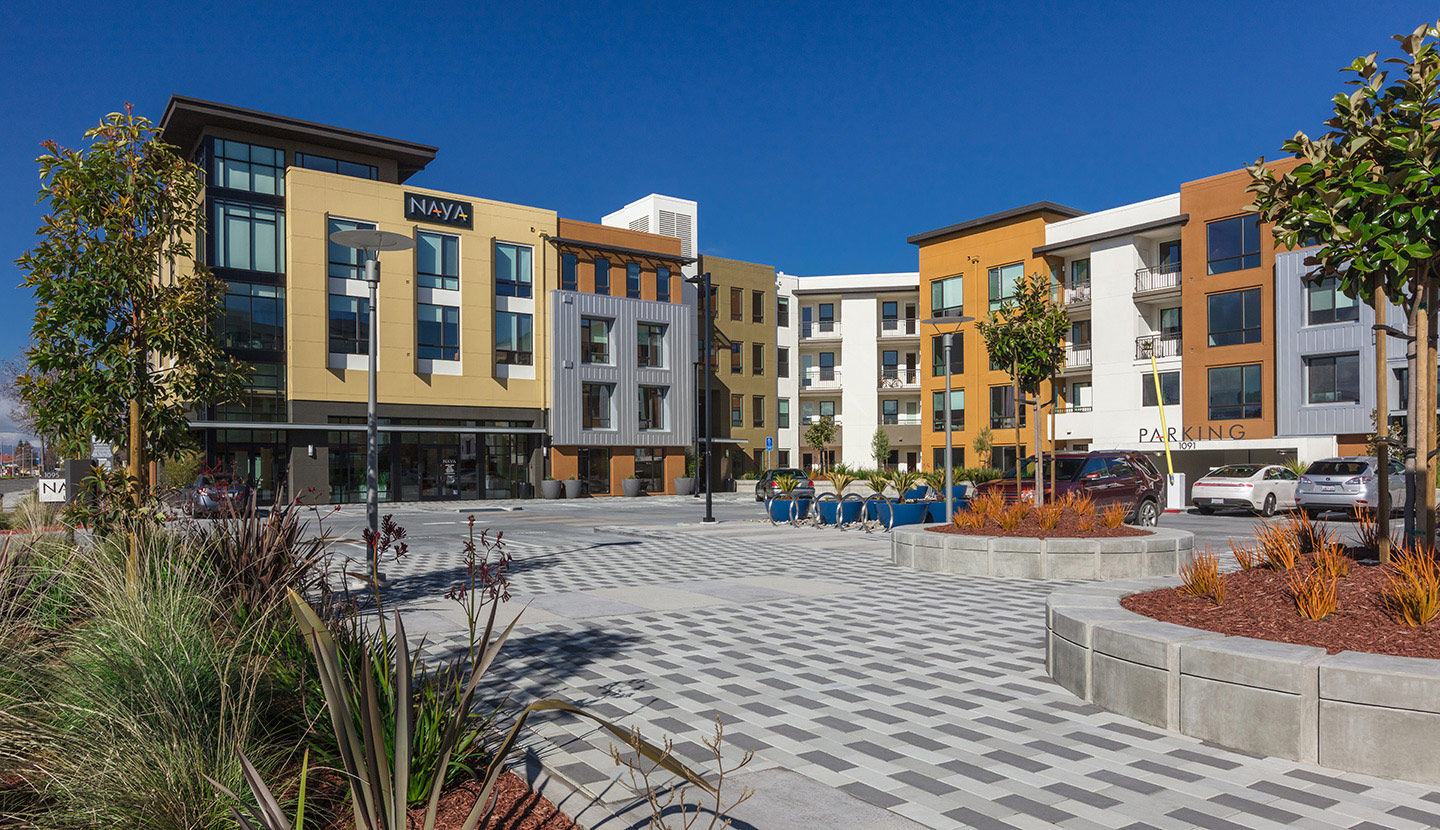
[1114, 515]
[987, 507]
[1279, 547]
[1314, 593]
[1079, 504]
[1412, 593]
[1010, 517]
[839, 479]
[1048, 516]
[968, 520]
[1245, 555]
[1367, 529]
[1332, 561]
[1200, 577]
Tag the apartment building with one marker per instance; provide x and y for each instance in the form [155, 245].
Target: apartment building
[745, 405]
[859, 364]
[622, 359]
[970, 269]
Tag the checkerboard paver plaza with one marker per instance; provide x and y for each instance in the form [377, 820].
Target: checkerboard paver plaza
[922, 693]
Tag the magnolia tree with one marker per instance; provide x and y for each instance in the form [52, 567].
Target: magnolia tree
[820, 435]
[880, 447]
[1027, 335]
[1366, 193]
[121, 347]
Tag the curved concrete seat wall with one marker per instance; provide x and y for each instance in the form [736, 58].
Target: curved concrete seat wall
[1158, 554]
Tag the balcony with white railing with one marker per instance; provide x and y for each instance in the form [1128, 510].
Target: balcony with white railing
[899, 327]
[1075, 294]
[904, 419]
[820, 330]
[899, 377]
[1159, 279]
[1158, 345]
[807, 420]
[1074, 423]
[820, 379]
[1077, 358]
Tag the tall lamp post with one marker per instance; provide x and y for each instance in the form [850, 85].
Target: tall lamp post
[371, 243]
[947, 336]
[702, 284]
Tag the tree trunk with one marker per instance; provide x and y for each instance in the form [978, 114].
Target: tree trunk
[1382, 429]
[1015, 407]
[1412, 416]
[1427, 413]
[1039, 453]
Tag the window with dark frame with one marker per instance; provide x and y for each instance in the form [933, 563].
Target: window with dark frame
[251, 237]
[890, 412]
[757, 307]
[652, 407]
[595, 405]
[345, 263]
[1325, 304]
[782, 312]
[1002, 408]
[437, 332]
[594, 340]
[325, 164]
[937, 356]
[947, 297]
[602, 275]
[514, 274]
[662, 284]
[1002, 283]
[254, 316]
[437, 260]
[249, 167]
[568, 279]
[957, 410]
[650, 345]
[1234, 392]
[737, 358]
[1232, 244]
[757, 359]
[757, 410]
[632, 280]
[1233, 317]
[782, 362]
[514, 339]
[1333, 379]
[349, 325]
[782, 413]
[737, 410]
[1169, 387]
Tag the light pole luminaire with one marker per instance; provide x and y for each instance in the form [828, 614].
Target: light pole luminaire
[370, 243]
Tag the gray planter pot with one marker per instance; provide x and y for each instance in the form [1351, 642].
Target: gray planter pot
[572, 488]
[684, 486]
[631, 487]
[552, 489]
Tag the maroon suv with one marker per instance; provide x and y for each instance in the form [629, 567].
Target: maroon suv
[1108, 477]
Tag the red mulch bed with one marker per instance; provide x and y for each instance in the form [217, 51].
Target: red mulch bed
[517, 807]
[1068, 528]
[1257, 605]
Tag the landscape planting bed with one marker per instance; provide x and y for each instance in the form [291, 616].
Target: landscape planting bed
[1153, 552]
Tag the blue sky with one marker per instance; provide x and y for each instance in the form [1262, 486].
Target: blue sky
[814, 137]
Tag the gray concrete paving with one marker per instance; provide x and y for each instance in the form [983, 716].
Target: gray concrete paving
[920, 694]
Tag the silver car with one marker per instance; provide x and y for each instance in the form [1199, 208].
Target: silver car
[1344, 483]
[1260, 487]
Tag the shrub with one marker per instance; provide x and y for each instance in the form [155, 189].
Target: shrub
[1010, 516]
[1366, 528]
[1114, 515]
[1412, 593]
[1314, 594]
[1309, 534]
[1279, 547]
[1048, 516]
[968, 520]
[1079, 503]
[1245, 555]
[988, 507]
[980, 475]
[1201, 578]
[1332, 561]
[903, 481]
[257, 559]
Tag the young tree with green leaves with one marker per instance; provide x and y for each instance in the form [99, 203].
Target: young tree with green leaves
[1027, 333]
[820, 435]
[121, 345]
[1366, 193]
[880, 447]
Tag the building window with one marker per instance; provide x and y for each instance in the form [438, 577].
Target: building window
[326, 164]
[1080, 271]
[782, 362]
[1170, 322]
[254, 316]
[737, 304]
[737, 410]
[957, 458]
[602, 275]
[890, 412]
[249, 167]
[345, 263]
[1234, 317]
[595, 405]
[757, 307]
[568, 280]
[594, 340]
[437, 261]
[1080, 398]
[662, 284]
[937, 356]
[1080, 334]
[1170, 256]
[737, 358]
[1169, 388]
[782, 413]
[632, 280]
[782, 458]
[650, 469]
[250, 238]
[650, 342]
[757, 405]
[439, 332]
[262, 399]
[1328, 305]
[1002, 283]
[827, 409]
[652, 407]
[826, 313]
[1333, 379]
[757, 359]
[947, 297]
[782, 312]
[513, 272]
[1234, 392]
[1233, 244]
[349, 325]
[957, 410]
[1002, 408]
[514, 339]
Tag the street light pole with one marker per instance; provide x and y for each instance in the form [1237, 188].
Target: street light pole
[947, 339]
[702, 283]
[370, 243]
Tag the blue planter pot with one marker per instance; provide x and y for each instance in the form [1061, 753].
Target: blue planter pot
[780, 509]
[937, 509]
[847, 511]
[916, 493]
[913, 513]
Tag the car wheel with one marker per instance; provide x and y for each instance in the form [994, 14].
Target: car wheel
[1147, 514]
[1204, 511]
[1268, 508]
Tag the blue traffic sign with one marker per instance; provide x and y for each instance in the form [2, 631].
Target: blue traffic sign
[769, 443]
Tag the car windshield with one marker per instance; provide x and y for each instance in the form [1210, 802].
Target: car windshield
[1338, 468]
[1065, 469]
[795, 474]
[1234, 471]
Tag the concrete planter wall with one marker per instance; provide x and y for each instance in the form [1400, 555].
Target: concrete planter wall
[1366, 713]
[1125, 557]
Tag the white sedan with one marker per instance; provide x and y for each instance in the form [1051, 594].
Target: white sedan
[1261, 487]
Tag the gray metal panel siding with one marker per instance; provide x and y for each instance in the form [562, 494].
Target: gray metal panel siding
[1296, 341]
[567, 373]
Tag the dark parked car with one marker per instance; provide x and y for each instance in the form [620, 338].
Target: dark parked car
[1108, 477]
[212, 495]
[766, 488]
